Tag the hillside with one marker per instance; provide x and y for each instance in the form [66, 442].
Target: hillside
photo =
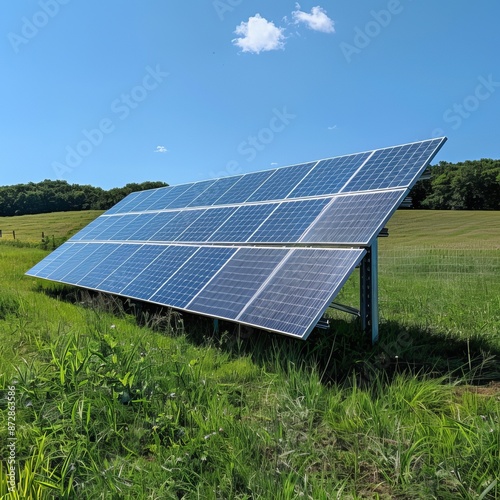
[60, 225]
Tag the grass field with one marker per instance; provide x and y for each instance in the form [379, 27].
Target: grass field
[115, 404]
[29, 228]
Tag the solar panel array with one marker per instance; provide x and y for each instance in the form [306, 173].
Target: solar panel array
[269, 249]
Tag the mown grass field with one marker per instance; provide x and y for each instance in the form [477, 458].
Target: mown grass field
[115, 404]
[29, 228]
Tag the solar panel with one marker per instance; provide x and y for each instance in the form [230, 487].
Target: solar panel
[128, 201]
[244, 188]
[130, 268]
[205, 225]
[269, 249]
[329, 176]
[289, 221]
[146, 225]
[393, 167]
[354, 219]
[240, 226]
[229, 291]
[52, 261]
[282, 182]
[176, 225]
[216, 190]
[296, 296]
[160, 270]
[180, 289]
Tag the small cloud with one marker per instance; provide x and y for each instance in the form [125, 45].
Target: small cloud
[332, 128]
[317, 20]
[273, 163]
[161, 149]
[259, 35]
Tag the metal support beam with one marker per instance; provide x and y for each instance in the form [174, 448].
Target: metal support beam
[346, 309]
[368, 285]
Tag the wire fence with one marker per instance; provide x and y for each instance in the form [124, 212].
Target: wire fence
[440, 263]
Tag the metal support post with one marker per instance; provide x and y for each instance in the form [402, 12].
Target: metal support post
[368, 285]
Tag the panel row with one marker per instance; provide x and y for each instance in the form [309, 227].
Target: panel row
[389, 168]
[285, 290]
[352, 219]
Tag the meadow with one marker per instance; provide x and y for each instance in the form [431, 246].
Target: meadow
[115, 400]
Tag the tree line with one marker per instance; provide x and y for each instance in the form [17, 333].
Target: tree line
[59, 196]
[469, 185]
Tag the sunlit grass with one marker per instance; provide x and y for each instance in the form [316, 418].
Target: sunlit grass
[29, 228]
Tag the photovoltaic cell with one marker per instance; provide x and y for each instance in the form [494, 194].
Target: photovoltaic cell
[158, 272]
[302, 288]
[180, 289]
[243, 189]
[354, 218]
[329, 176]
[289, 221]
[240, 226]
[279, 185]
[237, 282]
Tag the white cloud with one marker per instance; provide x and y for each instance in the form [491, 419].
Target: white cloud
[317, 20]
[259, 35]
[332, 127]
[161, 149]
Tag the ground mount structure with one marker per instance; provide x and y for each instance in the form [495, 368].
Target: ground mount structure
[268, 249]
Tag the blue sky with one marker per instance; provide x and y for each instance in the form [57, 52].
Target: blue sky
[107, 93]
